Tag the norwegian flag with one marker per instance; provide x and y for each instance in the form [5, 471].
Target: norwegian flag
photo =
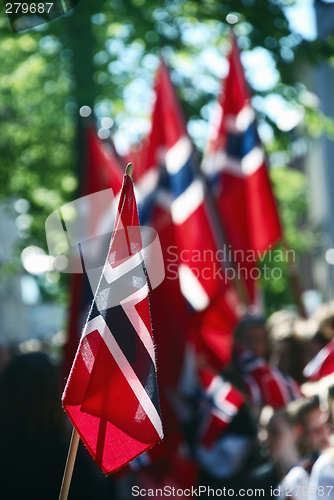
[222, 403]
[235, 164]
[111, 395]
[322, 364]
[171, 147]
[195, 258]
[266, 384]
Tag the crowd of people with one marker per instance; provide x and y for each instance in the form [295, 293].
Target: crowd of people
[257, 428]
[287, 450]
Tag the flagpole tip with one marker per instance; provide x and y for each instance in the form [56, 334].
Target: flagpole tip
[129, 169]
[232, 19]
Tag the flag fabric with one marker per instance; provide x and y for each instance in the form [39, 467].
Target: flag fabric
[171, 146]
[322, 364]
[222, 402]
[111, 395]
[168, 308]
[212, 329]
[235, 164]
[220, 450]
[266, 384]
[195, 258]
[101, 171]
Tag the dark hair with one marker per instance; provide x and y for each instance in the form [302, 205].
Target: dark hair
[293, 363]
[246, 323]
[30, 395]
[284, 415]
[306, 406]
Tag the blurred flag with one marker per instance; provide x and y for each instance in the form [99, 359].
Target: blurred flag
[196, 259]
[111, 395]
[171, 146]
[322, 364]
[101, 171]
[235, 164]
[222, 403]
[265, 383]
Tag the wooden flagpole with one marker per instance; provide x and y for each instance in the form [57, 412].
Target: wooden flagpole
[71, 456]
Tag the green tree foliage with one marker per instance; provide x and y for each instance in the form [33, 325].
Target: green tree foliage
[291, 191]
[36, 132]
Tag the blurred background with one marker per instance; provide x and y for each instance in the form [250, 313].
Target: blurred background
[96, 66]
[104, 55]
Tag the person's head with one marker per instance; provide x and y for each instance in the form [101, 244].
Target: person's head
[282, 438]
[286, 356]
[251, 333]
[315, 423]
[30, 397]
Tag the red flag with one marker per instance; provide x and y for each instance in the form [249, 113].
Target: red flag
[103, 170]
[224, 401]
[266, 384]
[234, 162]
[195, 258]
[111, 394]
[322, 364]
